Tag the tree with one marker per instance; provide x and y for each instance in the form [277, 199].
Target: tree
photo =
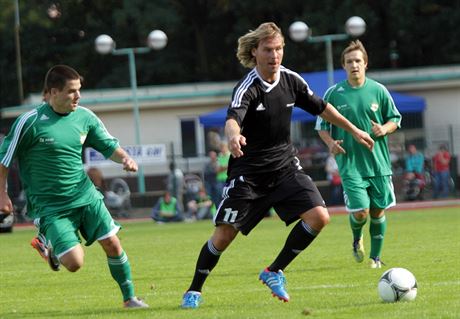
[203, 37]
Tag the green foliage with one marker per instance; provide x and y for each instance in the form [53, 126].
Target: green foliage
[203, 37]
[323, 281]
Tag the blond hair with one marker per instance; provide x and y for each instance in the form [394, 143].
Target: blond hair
[251, 41]
[355, 46]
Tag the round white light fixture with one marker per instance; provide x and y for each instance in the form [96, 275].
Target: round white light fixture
[157, 40]
[104, 44]
[298, 31]
[355, 26]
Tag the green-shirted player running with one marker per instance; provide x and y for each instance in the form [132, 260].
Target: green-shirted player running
[47, 142]
[366, 176]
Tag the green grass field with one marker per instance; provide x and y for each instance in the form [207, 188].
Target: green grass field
[323, 282]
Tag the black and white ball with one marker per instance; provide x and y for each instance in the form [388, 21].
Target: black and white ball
[397, 284]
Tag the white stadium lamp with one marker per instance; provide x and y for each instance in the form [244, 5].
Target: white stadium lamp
[104, 44]
[355, 26]
[298, 31]
[157, 40]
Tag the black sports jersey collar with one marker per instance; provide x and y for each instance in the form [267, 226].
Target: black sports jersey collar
[268, 86]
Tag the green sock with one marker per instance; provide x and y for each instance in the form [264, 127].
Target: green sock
[377, 230]
[121, 272]
[356, 226]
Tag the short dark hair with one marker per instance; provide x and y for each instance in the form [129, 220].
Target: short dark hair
[58, 75]
[355, 46]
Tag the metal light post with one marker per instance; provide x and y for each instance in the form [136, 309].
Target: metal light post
[299, 31]
[156, 40]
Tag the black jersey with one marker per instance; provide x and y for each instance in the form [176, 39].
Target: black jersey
[263, 111]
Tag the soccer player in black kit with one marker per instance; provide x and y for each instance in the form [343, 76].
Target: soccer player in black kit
[263, 171]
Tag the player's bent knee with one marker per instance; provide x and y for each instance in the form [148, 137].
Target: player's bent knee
[73, 260]
[362, 214]
[317, 217]
[72, 264]
[111, 246]
[323, 217]
[73, 267]
[223, 236]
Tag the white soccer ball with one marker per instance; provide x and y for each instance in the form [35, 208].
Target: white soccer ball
[397, 284]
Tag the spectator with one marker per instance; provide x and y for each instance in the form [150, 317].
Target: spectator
[210, 177]
[167, 209]
[441, 172]
[414, 173]
[202, 207]
[415, 161]
[335, 182]
[176, 184]
[222, 164]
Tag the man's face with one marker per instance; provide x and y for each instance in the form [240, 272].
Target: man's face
[269, 55]
[355, 66]
[66, 100]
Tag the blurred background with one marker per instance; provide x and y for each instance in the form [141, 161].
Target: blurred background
[413, 47]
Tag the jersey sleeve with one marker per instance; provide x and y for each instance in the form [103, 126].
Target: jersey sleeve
[321, 124]
[16, 138]
[241, 99]
[306, 99]
[100, 139]
[389, 110]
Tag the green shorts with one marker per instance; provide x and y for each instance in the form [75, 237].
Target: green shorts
[368, 192]
[93, 221]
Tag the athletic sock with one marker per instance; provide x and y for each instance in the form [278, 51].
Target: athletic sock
[121, 272]
[356, 226]
[298, 239]
[207, 260]
[377, 231]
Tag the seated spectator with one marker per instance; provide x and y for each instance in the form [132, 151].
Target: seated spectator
[202, 207]
[167, 210]
[414, 173]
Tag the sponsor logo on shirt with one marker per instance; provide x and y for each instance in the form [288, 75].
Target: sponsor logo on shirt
[260, 107]
[44, 117]
[46, 140]
[374, 107]
[290, 104]
[340, 107]
[340, 89]
[82, 138]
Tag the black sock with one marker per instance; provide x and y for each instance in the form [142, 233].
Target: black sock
[207, 260]
[299, 238]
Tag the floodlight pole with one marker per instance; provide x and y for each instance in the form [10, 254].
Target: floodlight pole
[133, 79]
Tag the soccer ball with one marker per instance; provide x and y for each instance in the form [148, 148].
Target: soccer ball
[397, 284]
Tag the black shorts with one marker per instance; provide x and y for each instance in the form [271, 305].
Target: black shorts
[247, 199]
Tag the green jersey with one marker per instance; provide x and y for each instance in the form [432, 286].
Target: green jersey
[49, 147]
[371, 101]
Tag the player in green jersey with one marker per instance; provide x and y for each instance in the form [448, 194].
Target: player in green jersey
[48, 142]
[366, 176]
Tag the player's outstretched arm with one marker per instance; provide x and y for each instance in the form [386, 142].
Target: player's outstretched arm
[331, 115]
[235, 139]
[120, 156]
[6, 205]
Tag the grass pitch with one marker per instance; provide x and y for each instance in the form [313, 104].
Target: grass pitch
[323, 282]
